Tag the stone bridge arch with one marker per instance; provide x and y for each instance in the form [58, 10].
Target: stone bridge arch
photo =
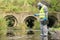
[11, 19]
[29, 21]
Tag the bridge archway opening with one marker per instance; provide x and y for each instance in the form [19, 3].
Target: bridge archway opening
[51, 21]
[11, 20]
[29, 21]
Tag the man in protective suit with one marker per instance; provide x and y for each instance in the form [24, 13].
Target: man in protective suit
[43, 16]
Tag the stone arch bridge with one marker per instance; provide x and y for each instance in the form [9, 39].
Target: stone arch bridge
[24, 18]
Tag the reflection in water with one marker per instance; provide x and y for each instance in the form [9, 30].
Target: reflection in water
[30, 32]
[10, 34]
[30, 37]
[35, 36]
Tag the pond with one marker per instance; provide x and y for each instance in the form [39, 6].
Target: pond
[23, 36]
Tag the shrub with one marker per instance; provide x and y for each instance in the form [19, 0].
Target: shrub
[55, 5]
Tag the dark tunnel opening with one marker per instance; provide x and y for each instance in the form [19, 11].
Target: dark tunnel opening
[11, 20]
[30, 21]
[51, 21]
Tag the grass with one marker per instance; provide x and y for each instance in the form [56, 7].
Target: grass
[17, 6]
[3, 26]
[55, 29]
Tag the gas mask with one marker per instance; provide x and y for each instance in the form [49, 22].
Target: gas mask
[39, 7]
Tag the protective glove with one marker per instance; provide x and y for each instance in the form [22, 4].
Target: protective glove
[45, 19]
[36, 14]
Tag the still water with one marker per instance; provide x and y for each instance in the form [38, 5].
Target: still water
[20, 35]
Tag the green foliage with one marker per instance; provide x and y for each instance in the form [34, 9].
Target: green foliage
[18, 2]
[53, 29]
[25, 5]
[3, 26]
[31, 2]
[57, 26]
[37, 25]
[17, 5]
[55, 5]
